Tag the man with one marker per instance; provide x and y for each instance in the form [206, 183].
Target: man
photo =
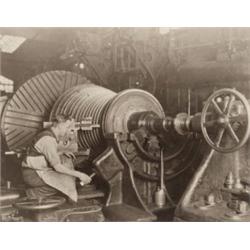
[45, 171]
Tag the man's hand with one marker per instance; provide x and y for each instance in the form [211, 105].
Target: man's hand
[70, 155]
[85, 179]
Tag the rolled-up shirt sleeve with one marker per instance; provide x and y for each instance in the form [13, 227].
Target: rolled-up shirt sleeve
[47, 146]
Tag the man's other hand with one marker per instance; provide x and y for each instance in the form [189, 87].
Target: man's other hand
[70, 155]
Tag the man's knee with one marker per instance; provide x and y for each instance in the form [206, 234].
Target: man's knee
[36, 187]
[31, 178]
[40, 192]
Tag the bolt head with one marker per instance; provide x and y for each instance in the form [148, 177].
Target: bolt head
[242, 207]
[210, 199]
[218, 99]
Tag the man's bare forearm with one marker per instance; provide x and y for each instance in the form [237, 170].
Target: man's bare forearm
[64, 170]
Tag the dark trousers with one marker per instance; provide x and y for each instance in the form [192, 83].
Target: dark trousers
[36, 187]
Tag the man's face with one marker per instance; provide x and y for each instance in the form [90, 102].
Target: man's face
[64, 128]
[67, 137]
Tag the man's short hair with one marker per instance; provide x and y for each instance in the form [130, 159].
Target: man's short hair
[61, 118]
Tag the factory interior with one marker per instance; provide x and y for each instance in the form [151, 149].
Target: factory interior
[161, 122]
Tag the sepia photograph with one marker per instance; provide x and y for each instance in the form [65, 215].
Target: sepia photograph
[129, 124]
[124, 124]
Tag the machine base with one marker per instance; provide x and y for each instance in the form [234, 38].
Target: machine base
[124, 212]
[83, 211]
[219, 212]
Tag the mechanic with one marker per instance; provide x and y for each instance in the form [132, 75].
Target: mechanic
[45, 171]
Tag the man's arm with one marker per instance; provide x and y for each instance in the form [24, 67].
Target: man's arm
[48, 147]
[64, 170]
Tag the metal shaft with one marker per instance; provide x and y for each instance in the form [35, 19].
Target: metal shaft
[162, 170]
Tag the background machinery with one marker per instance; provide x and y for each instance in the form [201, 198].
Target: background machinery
[128, 135]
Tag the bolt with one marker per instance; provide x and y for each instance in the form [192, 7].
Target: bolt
[242, 207]
[8, 184]
[229, 181]
[238, 184]
[218, 99]
[210, 199]
[81, 66]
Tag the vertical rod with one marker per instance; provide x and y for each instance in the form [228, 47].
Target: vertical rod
[189, 102]
[167, 98]
[196, 101]
[1, 67]
[0, 61]
[145, 186]
[162, 169]
[149, 198]
[0, 133]
[237, 183]
[179, 99]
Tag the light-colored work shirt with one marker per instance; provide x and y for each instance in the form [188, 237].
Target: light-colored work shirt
[49, 157]
[43, 164]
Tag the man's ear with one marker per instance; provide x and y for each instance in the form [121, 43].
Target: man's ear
[71, 123]
[59, 125]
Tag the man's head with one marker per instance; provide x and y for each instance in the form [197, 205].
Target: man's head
[62, 124]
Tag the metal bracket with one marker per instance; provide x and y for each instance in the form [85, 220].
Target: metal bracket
[84, 125]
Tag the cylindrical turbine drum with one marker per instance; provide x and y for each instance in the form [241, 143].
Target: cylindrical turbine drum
[84, 101]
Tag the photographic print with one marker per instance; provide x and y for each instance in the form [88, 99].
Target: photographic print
[124, 124]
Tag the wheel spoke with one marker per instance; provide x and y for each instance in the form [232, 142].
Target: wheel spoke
[219, 137]
[217, 108]
[225, 103]
[232, 133]
[230, 104]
